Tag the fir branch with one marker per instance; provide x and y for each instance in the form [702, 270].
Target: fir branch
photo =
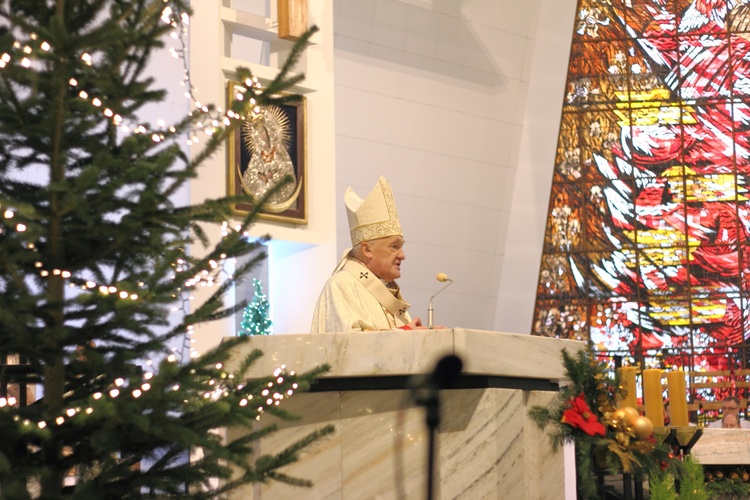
[101, 210]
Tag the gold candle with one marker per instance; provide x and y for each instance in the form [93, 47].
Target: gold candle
[677, 398]
[652, 396]
[627, 382]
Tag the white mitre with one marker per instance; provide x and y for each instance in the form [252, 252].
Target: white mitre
[374, 217]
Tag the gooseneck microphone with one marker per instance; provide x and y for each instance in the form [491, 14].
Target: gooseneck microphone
[442, 277]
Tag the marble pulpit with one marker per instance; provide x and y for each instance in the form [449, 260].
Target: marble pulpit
[723, 447]
[487, 447]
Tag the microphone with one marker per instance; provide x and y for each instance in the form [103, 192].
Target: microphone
[444, 376]
[442, 277]
[447, 370]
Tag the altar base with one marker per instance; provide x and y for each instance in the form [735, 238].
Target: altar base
[487, 447]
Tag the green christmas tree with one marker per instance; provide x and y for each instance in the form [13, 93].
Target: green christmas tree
[95, 253]
[255, 320]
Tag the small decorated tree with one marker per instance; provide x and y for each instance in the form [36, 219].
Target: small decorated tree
[255, 320]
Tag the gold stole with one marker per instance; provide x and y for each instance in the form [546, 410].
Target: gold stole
[394, 305]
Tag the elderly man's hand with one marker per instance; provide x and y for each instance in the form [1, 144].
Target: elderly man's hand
[416, 324]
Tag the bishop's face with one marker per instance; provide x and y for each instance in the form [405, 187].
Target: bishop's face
[386, 255]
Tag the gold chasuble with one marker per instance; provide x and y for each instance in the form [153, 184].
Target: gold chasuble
[355, 300]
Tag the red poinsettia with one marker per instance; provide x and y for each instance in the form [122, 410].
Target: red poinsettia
[579, 415]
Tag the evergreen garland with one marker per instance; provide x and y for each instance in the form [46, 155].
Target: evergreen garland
[662, 487]
[585, 413]
[685, 484]
[727, 482]
[691, 480]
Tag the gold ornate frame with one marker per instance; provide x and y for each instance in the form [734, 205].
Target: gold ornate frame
[239, 157]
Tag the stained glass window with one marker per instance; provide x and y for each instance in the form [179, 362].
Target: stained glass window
[647, 246]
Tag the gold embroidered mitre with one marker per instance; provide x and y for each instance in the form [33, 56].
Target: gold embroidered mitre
[374, 217]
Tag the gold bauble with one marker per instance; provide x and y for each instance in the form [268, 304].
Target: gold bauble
[630, 415]
[620, 415]
[643, 427]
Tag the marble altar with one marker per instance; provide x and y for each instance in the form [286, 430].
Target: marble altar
[487, 446]
[723, 447]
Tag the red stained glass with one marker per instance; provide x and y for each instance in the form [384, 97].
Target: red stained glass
[649, 221]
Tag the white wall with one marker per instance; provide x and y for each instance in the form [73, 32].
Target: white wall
[458, 104]
[522, 252]
[299, 253]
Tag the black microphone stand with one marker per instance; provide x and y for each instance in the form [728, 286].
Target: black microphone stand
[427, 394]
[432, 409]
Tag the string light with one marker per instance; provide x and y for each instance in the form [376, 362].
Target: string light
[208, 122]
[206, 119]
[216, 274]
[273, 397]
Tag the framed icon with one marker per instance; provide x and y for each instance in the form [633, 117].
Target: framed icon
[268, 147]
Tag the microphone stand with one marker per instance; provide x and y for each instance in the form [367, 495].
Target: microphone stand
[432, 419]
[426, 392]
[429, 308]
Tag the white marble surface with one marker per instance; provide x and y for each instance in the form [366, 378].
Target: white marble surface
[410, 352]
[487, 445]
[723, 447]
[511, 354]
[487, 448]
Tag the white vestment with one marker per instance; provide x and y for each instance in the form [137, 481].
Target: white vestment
[355, 300]
[716, 424]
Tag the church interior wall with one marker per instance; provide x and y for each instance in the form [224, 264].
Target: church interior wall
[458, 105]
